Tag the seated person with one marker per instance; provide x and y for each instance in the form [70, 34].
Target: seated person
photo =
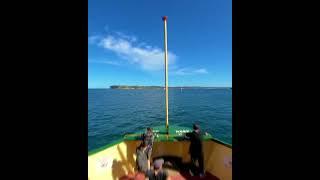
[157, 173]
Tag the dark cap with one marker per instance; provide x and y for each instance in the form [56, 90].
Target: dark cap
[196, 127]
[158, 163]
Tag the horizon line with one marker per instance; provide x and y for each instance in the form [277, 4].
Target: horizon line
[164, 86]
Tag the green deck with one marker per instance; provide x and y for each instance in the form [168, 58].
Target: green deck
[176, 133]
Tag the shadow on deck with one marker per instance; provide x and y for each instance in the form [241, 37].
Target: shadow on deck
[176, 169]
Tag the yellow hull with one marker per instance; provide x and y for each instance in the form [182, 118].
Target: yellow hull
[119, 159]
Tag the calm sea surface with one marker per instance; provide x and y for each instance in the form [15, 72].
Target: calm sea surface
[114, 112]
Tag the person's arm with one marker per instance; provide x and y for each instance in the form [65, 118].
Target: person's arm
[152, 139]
[187, 135]
[167, 177]
[203, 133]
[147, 175]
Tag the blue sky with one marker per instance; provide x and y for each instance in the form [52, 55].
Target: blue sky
[125, 42]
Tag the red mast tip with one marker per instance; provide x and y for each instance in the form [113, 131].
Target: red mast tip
[164, 18]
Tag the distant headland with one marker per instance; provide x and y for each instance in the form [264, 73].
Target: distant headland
[161, 87]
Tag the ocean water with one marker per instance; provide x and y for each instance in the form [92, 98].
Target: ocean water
[114, 112]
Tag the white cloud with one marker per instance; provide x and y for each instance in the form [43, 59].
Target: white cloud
[201, 71]
[129, 38]
[115, 63]
[93, 39]
[182, 71]
[147, 57]
[190, 71]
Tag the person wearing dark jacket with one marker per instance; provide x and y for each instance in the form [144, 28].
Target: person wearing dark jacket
[195, 149]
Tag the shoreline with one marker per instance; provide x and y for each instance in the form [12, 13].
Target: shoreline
[162, 87]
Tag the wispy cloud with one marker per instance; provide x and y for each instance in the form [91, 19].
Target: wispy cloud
[190, 71]
[94, 39]
[140, 53]
[126, 37]
[201, 71]
[144, 55]
[114, 63]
